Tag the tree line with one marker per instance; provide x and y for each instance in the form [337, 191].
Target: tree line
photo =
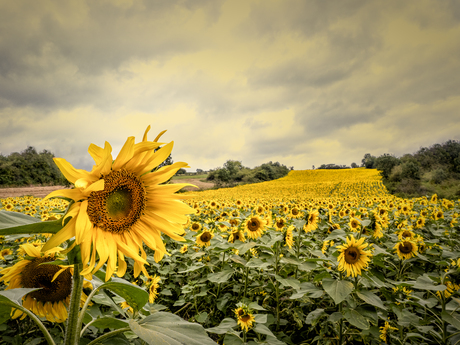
[434, 169]
[29, 168]
[233, 172]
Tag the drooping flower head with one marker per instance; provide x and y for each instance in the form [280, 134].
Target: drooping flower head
[50, 302]
[121, 204]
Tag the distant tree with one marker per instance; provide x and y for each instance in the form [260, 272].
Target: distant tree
[368, 161]
[385, 164]
[199, 171]
[181, 171]
[354, 165]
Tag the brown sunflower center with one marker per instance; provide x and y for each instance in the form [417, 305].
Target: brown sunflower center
[352, 255]
[354, 224]
[295, 211]
[205, 237]
[35, 275]
[405, 247]
[245, 318]
[253, 224]
[406, 234]
[120, 204]
[280, 224]
[195, 226]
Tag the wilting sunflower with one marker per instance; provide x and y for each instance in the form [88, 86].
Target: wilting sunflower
[384, 331]
[204, 239]
[120, 204]
[406, 249]
[312, 221]
[254, 226]
[50, 302]
[353, 258]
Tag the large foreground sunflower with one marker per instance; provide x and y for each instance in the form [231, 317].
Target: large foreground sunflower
[50, 302]
[353, 258]
[120, 204]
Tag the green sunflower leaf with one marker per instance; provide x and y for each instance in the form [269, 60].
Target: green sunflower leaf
[15, 223]
[425, 283]
[135, 296]
[370, 298]
[167, 328]
[109, 322]
[220, 277]
[356, 319]
[337, 289]
[226, 325]
[14, 297]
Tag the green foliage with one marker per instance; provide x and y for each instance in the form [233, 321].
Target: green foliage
[30, 168]
[430, 170]
[233, 172]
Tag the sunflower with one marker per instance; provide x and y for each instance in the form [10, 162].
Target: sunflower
[406, 234]
[312, 221]
[4, 252]
[184, 249]
[50, 302]
[354, 224]
[204, 239]
[295, 212]
[244, 316]
[280, 223]
[120, 204]
[406, 249]
[236, 235]
[153, 286]
[254, 226]
[195, 226]
[353, 258]
[289, 237]
[384, 331]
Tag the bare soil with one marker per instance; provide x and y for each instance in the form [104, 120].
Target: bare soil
[196, 182]
[41, 192]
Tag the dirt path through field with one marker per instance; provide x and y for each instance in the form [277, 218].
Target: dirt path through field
[44, 191]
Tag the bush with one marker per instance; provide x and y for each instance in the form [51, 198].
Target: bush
[438, 176]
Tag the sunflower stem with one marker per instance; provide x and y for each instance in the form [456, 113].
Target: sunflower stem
[72, 334]
[40, 325]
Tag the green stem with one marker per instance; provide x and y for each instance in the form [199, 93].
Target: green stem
[340, 325]
[244, 336]
[72, 334]
[246, 282]
[108, 335]
[277, 292]
[40, 325]
[297, 253]
[83, 309]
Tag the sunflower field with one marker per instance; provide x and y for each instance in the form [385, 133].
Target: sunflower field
[316, 257]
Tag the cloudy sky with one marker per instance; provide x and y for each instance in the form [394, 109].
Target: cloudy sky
[301, 82]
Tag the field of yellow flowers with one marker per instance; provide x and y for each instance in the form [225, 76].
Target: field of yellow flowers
[316, 257]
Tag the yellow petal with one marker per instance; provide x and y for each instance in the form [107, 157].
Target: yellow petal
[83, 224]
[126, 153]
[70, 173]
[94, 187]
[74, 194]
[158, 158]
[145, 133]
[159, 135]
[62, 235]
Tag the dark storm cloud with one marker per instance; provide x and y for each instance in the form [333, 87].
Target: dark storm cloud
[55, 53]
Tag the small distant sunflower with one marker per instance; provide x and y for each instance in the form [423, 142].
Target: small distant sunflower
[195, 226]
[437, 214]
[234, 222]
[213, 204]
[244, 316]
[8, 207]
[353, 258]
[333, 227]
[204, 239]
[384, 331]
[354, 225]
[420, 223]
[153, 286]
[50, 302]
[254, 226]
[184, 249]
[295, 212]
[406, 234]
[289, 237]
[260, 210]
[280, 223]
[236, 235]
[120, 205]
[406, 249]
[312, 221]
[4, 252]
